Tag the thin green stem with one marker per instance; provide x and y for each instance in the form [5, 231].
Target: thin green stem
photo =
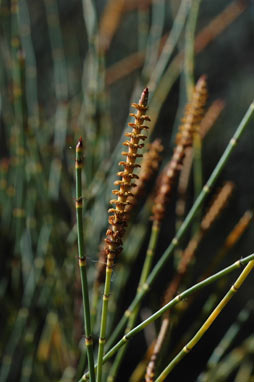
[144, 274]
[187, 293]
[230, 335]
[103, 323]
[185, 225]
[82, 260]
[189, 52]
[169, 46]
[208, 322]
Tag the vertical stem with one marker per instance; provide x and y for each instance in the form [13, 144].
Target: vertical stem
[189, 79]
[82, 259]
[190, 47]
[133, 317]
[103, 323]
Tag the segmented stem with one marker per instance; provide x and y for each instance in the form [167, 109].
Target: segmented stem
[82, 259]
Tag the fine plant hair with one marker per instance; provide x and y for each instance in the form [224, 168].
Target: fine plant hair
[126, 199]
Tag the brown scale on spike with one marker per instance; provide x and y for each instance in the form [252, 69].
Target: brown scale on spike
[192, 117]
[118, 219]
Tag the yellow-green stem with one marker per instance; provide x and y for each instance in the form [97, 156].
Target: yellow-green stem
[187, 348]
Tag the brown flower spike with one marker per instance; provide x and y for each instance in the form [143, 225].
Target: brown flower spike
[193, 115]
[149, 165]
[118, 218]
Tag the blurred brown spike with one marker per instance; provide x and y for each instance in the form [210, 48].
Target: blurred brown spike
[193, 114]
[217, 205]
[211, 116]
[239, 229]
[110, 21]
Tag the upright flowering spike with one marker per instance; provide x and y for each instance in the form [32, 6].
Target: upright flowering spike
[118, 218]
[191, 120]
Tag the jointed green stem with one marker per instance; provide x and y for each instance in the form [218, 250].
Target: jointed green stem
[208, 322]
[144, 274]
[82, 260]
[103, 323]
[189, 54]
[186, 224]
[190, 47]
[188, 292]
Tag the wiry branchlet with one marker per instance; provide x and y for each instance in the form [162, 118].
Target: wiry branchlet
[118, 219]
[192, 117]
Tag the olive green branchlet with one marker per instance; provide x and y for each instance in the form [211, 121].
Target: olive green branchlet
[82, 259]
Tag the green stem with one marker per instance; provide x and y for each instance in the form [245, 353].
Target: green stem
[144, 274]
[186, 224]
[228, 338]
[169, 46]
[190, 47]
[207, 323]
[187, 293]
[82, 260]
[189, 54]
[103, 328]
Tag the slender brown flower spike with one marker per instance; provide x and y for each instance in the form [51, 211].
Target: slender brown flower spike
[119, 213]
[150, 164]
[193, 114]
[118, 218]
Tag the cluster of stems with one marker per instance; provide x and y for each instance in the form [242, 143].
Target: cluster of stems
[118, 223]
[187, 256]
